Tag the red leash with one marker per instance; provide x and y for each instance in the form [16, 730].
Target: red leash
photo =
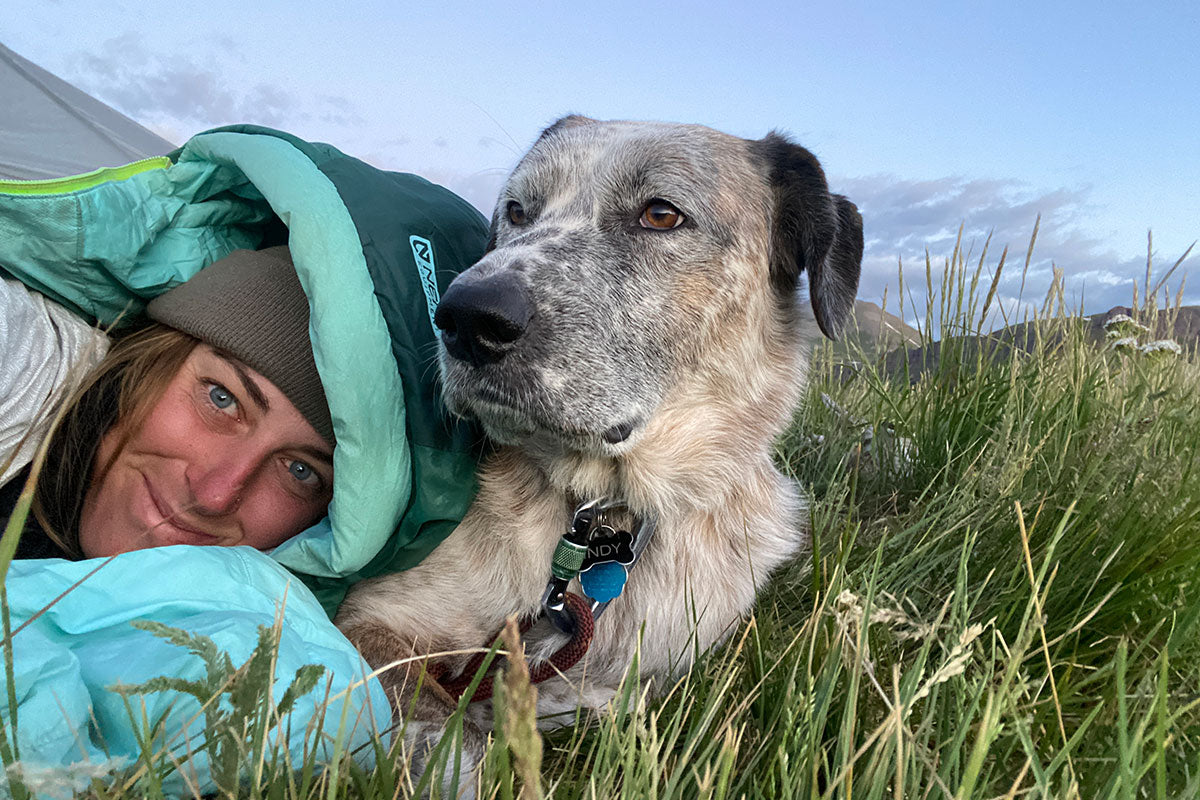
[562, 660]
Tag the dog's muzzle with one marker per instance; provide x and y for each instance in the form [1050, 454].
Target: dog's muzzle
[487, 329]
[481, 320]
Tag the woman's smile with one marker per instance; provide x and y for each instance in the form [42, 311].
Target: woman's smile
[167, 526]
[222, 458]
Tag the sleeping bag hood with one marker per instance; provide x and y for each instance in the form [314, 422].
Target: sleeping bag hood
[373, 251]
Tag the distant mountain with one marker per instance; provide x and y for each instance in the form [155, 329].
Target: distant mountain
[871, 332]
[1182, 325]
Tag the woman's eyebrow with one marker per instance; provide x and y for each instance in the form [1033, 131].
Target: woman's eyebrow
[264, 405]
[315, 453]
[248, 383]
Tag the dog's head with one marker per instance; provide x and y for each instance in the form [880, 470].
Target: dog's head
[627, 258]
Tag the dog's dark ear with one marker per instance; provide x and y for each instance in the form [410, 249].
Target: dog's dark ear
[812, 231]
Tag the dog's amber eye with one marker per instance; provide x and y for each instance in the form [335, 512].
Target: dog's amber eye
[660, 215]
[516, 213]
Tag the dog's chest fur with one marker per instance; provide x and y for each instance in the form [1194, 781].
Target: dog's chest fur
[692, 584]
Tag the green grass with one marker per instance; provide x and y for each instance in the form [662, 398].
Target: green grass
[1001, 601]
[1011, 614]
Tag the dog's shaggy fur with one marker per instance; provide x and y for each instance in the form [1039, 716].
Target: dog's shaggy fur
[611, 356]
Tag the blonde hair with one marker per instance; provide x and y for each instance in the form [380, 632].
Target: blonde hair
[117, 395]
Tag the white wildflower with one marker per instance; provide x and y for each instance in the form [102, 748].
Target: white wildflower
[1125, 324]
[1124, 343]
[1162, 346]
[50, 780]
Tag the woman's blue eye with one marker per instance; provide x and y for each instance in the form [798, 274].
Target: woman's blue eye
[301, 471]
[220, 396]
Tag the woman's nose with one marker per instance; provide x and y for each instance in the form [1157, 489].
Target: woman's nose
[218, 483]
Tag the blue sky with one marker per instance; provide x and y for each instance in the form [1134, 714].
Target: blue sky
[929, 115]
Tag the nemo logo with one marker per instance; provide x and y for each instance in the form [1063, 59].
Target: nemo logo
[422, 250]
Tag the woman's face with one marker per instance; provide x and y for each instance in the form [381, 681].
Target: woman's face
[223, 458]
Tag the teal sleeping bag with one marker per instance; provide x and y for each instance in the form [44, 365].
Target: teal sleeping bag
[373, 250]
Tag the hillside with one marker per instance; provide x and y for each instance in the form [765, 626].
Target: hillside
[871, 332]
[1182, 325]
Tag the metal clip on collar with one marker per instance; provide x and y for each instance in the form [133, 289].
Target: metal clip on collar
[568, 559]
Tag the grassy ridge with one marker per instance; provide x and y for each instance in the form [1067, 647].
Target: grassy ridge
[1000, 601]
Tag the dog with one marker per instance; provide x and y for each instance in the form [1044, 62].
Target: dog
[634, 334]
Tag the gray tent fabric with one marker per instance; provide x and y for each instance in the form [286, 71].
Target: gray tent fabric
[50, 129]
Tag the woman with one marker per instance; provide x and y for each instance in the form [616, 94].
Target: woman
[208, 427]
[176, 441]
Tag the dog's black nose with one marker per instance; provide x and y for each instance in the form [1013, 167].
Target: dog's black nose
[481, 320]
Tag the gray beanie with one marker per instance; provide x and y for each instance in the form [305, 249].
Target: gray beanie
[250, 305]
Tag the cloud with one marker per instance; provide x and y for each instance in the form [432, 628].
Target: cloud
[480, 189]
[905, 219]
[172, 91]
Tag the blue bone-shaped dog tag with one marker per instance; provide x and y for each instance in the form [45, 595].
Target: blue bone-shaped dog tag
[606, 544]
[604, 569]
[604, 582]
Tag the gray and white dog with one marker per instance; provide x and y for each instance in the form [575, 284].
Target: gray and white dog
[635, 332]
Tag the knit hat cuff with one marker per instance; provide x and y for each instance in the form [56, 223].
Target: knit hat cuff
[251, 305]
